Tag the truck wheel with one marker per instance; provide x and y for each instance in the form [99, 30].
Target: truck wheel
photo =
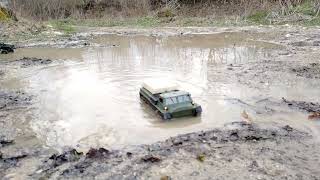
[4, 52]
[142, 98]
[197, 111]
[167, 116]
[194, 113]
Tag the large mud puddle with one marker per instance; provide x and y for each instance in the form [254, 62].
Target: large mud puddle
[89, 96]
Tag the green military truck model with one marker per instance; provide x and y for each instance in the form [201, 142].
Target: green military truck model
[168, 101]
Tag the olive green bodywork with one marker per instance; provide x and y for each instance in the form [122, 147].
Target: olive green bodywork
[171, 104]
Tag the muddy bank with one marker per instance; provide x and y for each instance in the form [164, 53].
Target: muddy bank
[311, 70]
[20, 150]
[295, 36]
[11, 100]
[17, 102]
[273, 72]
[72, 41]
[10, 161]
[12, 152]
[310, 107]
[26, 62]
[76, 41]
[5, 141]
[1, 73]
[248, 148]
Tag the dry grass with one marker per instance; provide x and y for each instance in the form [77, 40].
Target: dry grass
[59, 9]
[256, 10]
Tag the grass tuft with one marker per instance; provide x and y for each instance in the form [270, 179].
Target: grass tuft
[259, 17]
[147, 21]
[66, 26]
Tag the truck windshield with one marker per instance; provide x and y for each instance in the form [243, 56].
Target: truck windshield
[178, 99]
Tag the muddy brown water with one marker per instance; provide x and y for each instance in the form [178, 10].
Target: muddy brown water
[90, 97]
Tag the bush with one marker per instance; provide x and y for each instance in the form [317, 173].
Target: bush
[59, 9]
[64, 26]
[258, 17]
[166, 12]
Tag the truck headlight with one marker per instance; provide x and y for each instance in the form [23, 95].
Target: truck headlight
[166, 108]
[192, 103]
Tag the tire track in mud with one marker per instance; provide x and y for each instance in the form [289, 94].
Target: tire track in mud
[138, 162]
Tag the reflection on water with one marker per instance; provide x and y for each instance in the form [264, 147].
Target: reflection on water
[95, 102]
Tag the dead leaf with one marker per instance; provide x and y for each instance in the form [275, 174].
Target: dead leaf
[165, 178]
[314, 115]
[246, 117]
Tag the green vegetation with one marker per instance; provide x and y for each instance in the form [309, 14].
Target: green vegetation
[305, 13]
[4, 15]
[165, 13]
[147, 21]
[63, 25]
[102, 13]
[259, 17]
[306, 8]
[313, 22]
[68, 25]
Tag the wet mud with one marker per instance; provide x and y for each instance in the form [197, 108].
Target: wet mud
[311, 70]
[29, 62]
[1, 73]
[5, 141]
[306, 43]
[262, 144]
[75, 41]
[12, 100]
[66, 42]
[11, 161]
[237, 141]
[310, 107]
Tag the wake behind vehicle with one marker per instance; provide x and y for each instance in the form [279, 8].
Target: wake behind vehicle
[167, 100]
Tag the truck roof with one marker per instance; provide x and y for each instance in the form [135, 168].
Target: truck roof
[156, 86]
[173, 94]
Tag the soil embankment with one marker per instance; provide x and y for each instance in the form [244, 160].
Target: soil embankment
[245, 149]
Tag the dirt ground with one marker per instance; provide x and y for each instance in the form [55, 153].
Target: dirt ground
[241, 150]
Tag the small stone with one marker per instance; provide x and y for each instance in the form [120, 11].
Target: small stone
[151, 158]
[165, 178]
[195, 173]
[316, 43]
[288, 128]
[98, 153]
[129, 154]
